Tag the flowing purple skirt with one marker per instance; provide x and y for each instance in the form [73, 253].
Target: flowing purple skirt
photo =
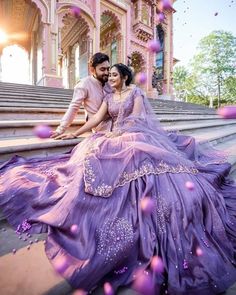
[98, 187]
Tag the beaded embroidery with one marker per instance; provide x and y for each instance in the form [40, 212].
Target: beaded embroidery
[115, 239]
[23, 227]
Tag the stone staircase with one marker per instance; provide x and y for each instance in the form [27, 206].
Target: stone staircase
[22, 107]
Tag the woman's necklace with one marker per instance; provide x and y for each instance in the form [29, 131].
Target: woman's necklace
[120, 93]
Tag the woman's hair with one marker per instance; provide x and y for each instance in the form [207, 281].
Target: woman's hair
[97, 59]
[124, 71]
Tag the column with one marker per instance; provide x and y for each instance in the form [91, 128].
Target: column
[96, 43]
[49, 45]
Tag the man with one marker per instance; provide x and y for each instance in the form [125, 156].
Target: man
[89, 92]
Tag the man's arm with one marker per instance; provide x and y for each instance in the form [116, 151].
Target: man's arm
[91, 123]
[80, 93]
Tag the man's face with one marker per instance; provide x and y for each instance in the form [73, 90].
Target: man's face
[101, 72]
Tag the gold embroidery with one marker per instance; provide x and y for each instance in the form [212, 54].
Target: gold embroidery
[105, 190]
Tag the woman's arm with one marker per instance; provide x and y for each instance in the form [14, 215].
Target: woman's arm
[91, 123]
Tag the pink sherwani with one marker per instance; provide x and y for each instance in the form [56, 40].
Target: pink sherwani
[90, 93]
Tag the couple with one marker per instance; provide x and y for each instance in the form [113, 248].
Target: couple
[89, 92]
[99, 189]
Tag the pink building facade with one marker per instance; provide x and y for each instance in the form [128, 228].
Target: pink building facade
[63, 34]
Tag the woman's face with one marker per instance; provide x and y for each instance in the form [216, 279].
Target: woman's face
[115, 79]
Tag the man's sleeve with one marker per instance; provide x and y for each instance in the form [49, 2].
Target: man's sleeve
[80, 94]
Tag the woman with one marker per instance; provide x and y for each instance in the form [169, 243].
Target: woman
[99, 189]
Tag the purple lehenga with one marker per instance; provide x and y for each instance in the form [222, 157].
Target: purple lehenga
[98, 187]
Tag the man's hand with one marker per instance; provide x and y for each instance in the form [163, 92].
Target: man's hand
[55, 134]
[66, 136]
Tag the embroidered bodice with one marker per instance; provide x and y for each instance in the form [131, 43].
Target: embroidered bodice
[118, 110]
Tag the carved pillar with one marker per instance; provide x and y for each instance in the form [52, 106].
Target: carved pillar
[96, 43]
[90, 47]
[71, 67]
[49, 58]
[128, 31]
[45, 49]
[54, 54]
[120, 44]
[34, 58]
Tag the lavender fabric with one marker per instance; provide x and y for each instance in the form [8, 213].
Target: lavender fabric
[98, 187]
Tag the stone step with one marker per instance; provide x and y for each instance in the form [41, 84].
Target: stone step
[182, 112]
[156, 106]
[10, 113]
[26, 87]
[7, 94]
[30, 104]
[32, 101]
[41, 99]
[189, 127]
[177, 103]
[13, 129]
[52, 104]
[32, 146]
[24, 128]
[7, 113]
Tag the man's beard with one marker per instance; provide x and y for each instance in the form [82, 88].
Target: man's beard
[103, 78]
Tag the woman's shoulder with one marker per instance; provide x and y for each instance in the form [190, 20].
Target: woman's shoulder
[107, 96]
[137, 91]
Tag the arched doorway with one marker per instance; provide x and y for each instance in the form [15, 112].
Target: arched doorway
[110, 36]
[75, 47]
[21, 22]
[15, 65]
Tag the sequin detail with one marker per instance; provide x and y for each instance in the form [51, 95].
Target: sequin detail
[163, 214]
[48, 172]
[120, 271]
[115, 239]
[23, 227]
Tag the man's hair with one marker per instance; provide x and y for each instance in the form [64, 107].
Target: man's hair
[97, 59]
[124, 71]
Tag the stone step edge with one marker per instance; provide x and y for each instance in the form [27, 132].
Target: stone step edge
[53, 122]
[44, 110]
[50, 143]
[199, 126]
[19, 85]
[47, 105]
[35, 110]
[8, 93]
[32, 123]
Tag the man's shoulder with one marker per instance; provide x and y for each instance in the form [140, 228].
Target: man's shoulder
[84, 82]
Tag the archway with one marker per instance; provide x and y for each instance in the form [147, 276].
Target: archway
[75, 47]
[110, 36]
[15, 65]
[21, 20]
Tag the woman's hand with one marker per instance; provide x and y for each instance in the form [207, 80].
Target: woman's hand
[66, 136]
